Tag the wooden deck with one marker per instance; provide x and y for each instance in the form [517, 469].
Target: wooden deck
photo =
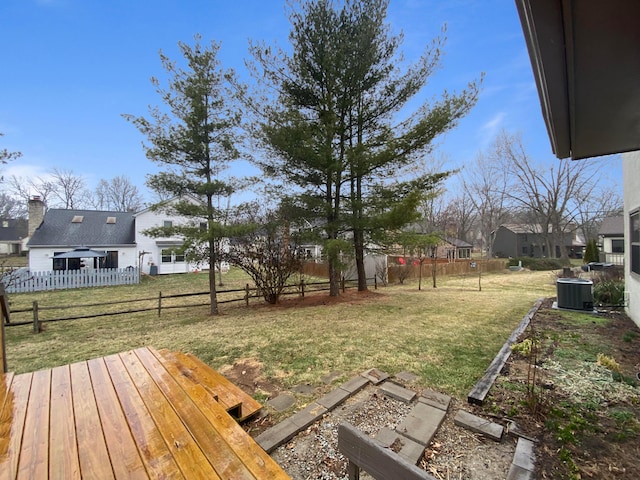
[139, 414]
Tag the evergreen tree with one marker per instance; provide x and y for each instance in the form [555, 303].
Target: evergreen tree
[194, 140]
[336, 131]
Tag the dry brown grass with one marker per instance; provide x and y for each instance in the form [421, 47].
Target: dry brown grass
[447, 336]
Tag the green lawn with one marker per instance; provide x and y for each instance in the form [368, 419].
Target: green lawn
[448, 336]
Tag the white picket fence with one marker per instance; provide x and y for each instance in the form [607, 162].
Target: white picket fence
[65, 279]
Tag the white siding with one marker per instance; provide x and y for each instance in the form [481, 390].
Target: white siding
[631, 188]
[41, 258]
[153, 246]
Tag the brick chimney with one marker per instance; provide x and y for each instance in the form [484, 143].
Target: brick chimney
[36, 214]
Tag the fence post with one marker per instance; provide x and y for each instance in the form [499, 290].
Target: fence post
[246, 294]
[375, 282]
[342, 283]
[36, 320]
[159, 303]
[302, 287]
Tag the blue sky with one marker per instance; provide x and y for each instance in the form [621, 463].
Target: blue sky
[70, 68]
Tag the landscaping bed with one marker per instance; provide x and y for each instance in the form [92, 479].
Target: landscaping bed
[576, 392]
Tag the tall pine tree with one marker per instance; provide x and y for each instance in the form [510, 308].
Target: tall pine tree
[337, 130]
[194, 139]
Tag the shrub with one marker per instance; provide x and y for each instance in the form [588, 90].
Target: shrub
[538, 263]
[609, 362]
[608, 292]
[591, 252]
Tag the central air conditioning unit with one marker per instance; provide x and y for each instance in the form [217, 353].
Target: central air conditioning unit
[575, 293]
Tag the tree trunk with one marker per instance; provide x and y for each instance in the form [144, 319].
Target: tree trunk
[359, 251]
[213, 294]
[334, 277]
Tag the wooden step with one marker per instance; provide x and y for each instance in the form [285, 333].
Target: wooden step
[188, 369]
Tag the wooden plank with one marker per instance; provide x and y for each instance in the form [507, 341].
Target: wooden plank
[196, 373]
[12, 418]
[122, 449]
[228, 394]
[381, 463]
[93, 454]
[248, 451]
[34, 452]
[186, 452]
[5, 387]
[155, 454]
[4, 314]
[481, 389]
[222, 456]
[63, 448]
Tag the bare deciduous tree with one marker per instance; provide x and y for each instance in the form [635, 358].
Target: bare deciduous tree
[485, 184]
[117, 194]
[549, 194]
[69, 189]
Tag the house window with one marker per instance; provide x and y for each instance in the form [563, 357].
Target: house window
[525, 250]
[203, 226]
[167, 224]
[617, 245]
[59, 263]
[110, 261]
[635, 241]
[172, 255]
[73, 264]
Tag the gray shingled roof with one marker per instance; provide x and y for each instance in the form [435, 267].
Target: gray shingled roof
[15, 230]
[58, 229]
[612, 226]
[456, 242]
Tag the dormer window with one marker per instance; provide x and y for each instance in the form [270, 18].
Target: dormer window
[111, 220]
[77, 219]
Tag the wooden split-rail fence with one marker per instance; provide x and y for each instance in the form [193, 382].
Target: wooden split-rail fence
[160, 303]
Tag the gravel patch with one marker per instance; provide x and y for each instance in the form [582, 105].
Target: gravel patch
[313, 453]
[455, 453]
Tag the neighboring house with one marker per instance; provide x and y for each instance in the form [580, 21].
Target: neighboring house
[160, 255]
[121, 235]
[521, 240]
[454, 249]
[62, 231]
[586, 62]
[611, 239]
[12, 232]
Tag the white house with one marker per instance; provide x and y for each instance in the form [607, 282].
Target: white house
[63, 231]
[586, 62]
[611, 238]
[161, 255]
[111, 239]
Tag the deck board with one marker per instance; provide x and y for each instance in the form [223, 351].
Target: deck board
[34, 452]
[12, 420]
[219, 452]
[139, 414]
[63, 446]
[178, 439]
[153, 450]
[123, 452]
[94, 456]
[194, 369]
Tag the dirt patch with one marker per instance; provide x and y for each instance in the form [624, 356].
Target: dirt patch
[246, 373]
[313, 299]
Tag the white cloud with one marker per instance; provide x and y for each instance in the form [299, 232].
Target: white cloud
[490, 128]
